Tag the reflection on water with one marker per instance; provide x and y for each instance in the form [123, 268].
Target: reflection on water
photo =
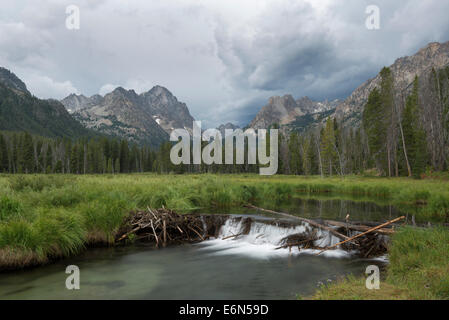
[219, 269]
[338, 209]
[331, 209]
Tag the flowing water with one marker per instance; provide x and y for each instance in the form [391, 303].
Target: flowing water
[245, 267]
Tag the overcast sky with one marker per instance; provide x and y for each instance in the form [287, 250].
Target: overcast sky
[224, 58]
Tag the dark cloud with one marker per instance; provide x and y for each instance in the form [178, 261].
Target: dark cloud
[323, 49]
[223, 58]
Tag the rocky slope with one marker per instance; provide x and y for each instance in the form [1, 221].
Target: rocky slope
[75, 102]
[120, 114]
[165, 108]
[20, 111]
[434, 55]
[148, 117]
[286, 110]
[11, 81]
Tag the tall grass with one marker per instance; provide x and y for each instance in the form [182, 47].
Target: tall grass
[420, 260]
[47, 216]
[418, 269]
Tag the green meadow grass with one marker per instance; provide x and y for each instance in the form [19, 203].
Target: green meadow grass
[44, 217]
[418, 269]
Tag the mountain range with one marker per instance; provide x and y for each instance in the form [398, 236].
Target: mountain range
[432, 57]
[119, 114]
[286, 110]
[146, 118]
[20, 111]
[149, 117]
[302, 114]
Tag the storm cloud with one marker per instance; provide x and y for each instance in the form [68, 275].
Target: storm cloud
[224, 58]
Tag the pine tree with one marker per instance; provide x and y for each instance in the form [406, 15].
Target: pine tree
[74, 160]
[307, 156]
[294, 161]
[117, 166]
[328, 152]
[27, 152]
[3, 155]
[380, 124]
[124, 156]
[49, 159]
[414, 134]
[110, 167]
[375, 128]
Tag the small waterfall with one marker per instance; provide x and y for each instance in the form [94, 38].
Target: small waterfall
[261, 238]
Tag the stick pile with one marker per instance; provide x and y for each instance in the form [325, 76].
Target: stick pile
[164, 226]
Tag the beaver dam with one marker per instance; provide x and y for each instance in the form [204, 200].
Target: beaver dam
[246, 253]
[164, 227]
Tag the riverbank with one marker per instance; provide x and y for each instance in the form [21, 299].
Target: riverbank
[418, 269]
[44, 217]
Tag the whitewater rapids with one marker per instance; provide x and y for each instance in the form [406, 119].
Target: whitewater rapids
[264, 237]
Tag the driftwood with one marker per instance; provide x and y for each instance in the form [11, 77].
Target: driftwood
[361, 228]
[311, 222]
[364, 233]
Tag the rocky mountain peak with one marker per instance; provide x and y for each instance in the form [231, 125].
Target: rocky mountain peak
[160, 96]
[121, 96]
[158, 90]
[74, 102]
[434, 55]
[146, 117]
[286, 101]
[304, 100]
[430, 49]
[166, 110]
[120, 91]
[285, 110]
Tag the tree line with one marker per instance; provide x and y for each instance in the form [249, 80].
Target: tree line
[395, 138]
[21, 152]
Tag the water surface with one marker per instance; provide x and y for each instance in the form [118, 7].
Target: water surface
[245, 268]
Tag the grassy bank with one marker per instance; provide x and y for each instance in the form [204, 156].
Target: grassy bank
[50, 216]
[418, 269]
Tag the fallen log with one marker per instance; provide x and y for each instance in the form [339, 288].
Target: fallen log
[362, 234]
[358, 227]
[128, 233]
[311, 222]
